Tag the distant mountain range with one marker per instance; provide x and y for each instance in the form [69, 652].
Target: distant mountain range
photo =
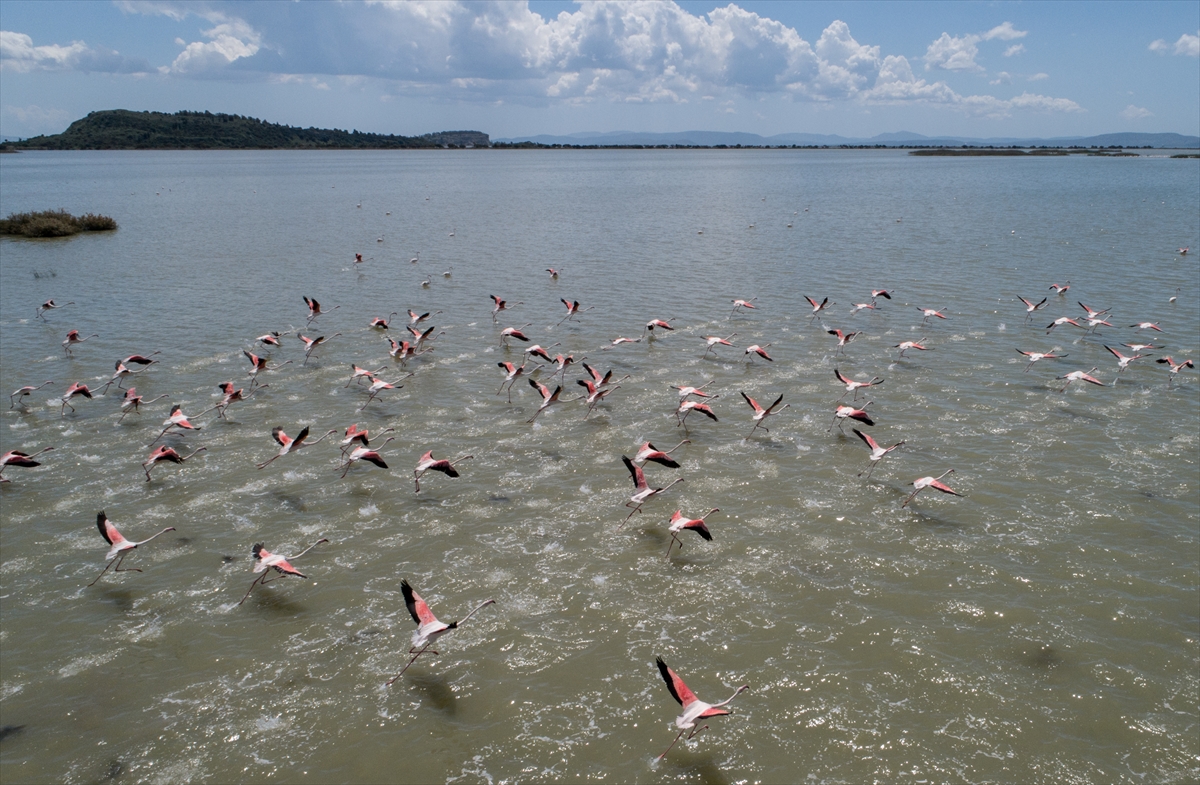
[899, 139]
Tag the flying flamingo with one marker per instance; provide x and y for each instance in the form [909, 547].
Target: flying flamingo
[382, 323]
[554, 272]
[360, 436]
[165, 453]
[49, 305]
[415, 318]
[1122, 360]
[512, 372]
[1080, 376]
[929, 313]
[1137, 347]
[22, 459]
[619, 341]
[429, 629]
[694, 709]
[643, 491]
[1060, 290]
[538, 351]
[739, 304]
[429, 463]
[403, 350]
[602, 381]
[817, 307]
[72, 391]
[1031, 307]
[595, 394]
[906, 345]
[18, 396]
[1175, 367]
[366, 454]
[378, 386]
[877, 452]
[270, 339]
[1061, 321]
[761, 351]
[501, 305]
[562, 363]
[680, 523]
[573, 310]
[1147, 326]
[1097, 322]
[177, 420]
[73, 338]
[1035, 356]
[288, 444]
[314, 309]
[687, 407]
[419, 337]
[863, 307]
[514, 332]
[761, 414]
[258, 365]
[267, 562]
[853, 386]
[686, 390]
[849, 412]
[361, 373]
[548, 398]
[843, 339]
[1181, 252]
[884, 293]
[714, 340]
[120, 546]
[1092, 313]
[120, 371]
[132, 401]
[930, 482]
[660, 323]
[648, 452]
[310, 344]
[230, 397]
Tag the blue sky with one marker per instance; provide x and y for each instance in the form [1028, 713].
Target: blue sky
[514, 68]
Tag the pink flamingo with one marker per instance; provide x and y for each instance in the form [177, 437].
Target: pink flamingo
[403, 350]
[514, 332]
[138, 359]
[120, 546]
[429, 463]
[540, 352]
[314, 309]
[573, 310]
[419, 337]
[694, 709]
[177, 420]
[844, 413]
[23, 459]
[761, 351]
[602, 381]
[73, 338]
[1060, 290]
[361, 437]
[1147, 326]
[761, 414]
[258, 365]
[686, 390]
[1175, 367]
[863, 307]
[1092, 313]
[853, 386]
[643, 492]
[680, 523]
[930, 313]
[378, 386]
[1122, 360]
[663, 324]
[877, 452]
[715, 340]
[817, 307]
[548, 398]
[268, 563]
[843, 339]
[165, 453]
[884, 293]
[595, 394]
[906, 345]
[270, 339]
[1035, 356]
[366, 454]
[501, 305]
[381, 323]
[18, 396]
[358, 374]
[512, 373]
[429, 629]
[1080, 376]
[415, 318]
[310, 344]
[132, 401]
[648, 452]
[687, 407]
[49, 305]
[740, 304]
[562, 363]
[1060, 321]
[288, 444]
[120, 372]
[619, 341]
[72, 391]
[554, 272]
[922, 483]
[230, 397]
[1030, 307]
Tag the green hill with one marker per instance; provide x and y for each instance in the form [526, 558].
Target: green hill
[120, 129]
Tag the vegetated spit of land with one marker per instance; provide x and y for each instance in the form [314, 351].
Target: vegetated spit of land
[54, 223]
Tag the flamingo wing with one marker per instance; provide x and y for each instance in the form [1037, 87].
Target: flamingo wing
[281, 438]
[753, 403]
[869, 441]
[679, 690]
[639, 477]
[939, 485]
[416, 606]
[107, 530]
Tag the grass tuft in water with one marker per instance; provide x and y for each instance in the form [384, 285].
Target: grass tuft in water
[54, 223]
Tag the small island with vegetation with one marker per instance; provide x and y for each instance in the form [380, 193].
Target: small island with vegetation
[54, 223]
[121, 129]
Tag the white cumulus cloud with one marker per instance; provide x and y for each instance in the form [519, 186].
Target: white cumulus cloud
[1132, 112]
[1188, 45]
[1015, 49]
[230, 40]
[18, 53]
[958, 53]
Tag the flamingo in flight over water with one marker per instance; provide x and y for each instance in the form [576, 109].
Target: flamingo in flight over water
[877, 452]
[49, 305]
[1122, 360]
[761, 351]
[573, 309]
[1175, 367]
[287, 444]
[930, 482]
[73, 338]
[1061, 321]
[18, 396]
[1080, 376]
[72, 391]
[429, 463]
[680, 523]
[501, 305]
[761, 414]
[843, 413]
[258, 365]
[906, 345]
[643, 490]
[595, 394]
[853, 386]
[548, 398]
[514, 332]
[270, 339]
[1060, 290]
[364, 453]
[843, 339]
[310, 344]
[817, 307]
[1035, 356]
[1031, 307]
[165, 453]
[694, 709]
[714, 340]
[132, 401]
[930, 313]
[429, 629]
[314, 309]
[17, 458]
[648, 452]
[120, 546]
[740, 304]
[177, 420]
[271, 563]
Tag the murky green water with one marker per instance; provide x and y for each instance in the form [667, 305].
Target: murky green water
[1042, 628]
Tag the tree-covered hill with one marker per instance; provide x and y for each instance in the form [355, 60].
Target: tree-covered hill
[120, 129]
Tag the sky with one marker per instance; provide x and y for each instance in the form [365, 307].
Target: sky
[976, 69]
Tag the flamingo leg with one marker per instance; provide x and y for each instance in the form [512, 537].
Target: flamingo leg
[636, 510]
[146, 469]
[677, 738]
[120, 559]
[671, 544]
[910, 498]
[101, 575]
[257, 581]
[410, 662]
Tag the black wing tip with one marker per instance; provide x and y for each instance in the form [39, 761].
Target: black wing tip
[256, 550]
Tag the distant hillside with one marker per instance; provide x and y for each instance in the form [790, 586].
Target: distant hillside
[900, 139]
[120, 129]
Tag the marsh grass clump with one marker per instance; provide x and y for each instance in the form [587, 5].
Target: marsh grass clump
[54, 223]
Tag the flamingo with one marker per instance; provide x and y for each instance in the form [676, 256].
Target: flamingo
[287, 444]
[679, 523]
[22, 459]
[884, 293]
[1097, 322]
[930, 312]
[1175, 367]
[817, 307]
[1181, 252]
[165, 453]
[922, 483]
[761, 351]
[1060, 321]
[382, 323]
[562, 363]
[694, 709]
[138, 359]
[602, 381]
[761, 414]
[514, 332]
[843, 339]
[906, 345]
[643, 491]
[877, 452]
[72, 391]
[132, 401]
[863, 307]
[270, 339]
[1031, 307]
[415, 318]
[548, 398]
[429, 463]
[660, 323]
[619, 341]
[553, 273]
[310, 344]
[403, 350]
[314, 309]
[230, 397]
[844, 413]
[1035, 356]
[1122, 360]
[18, 396]
[177, 419]
[714, 340]
[512, 372]
[120, 371]
[1060, 290]
[853, 386]
[366, 454]
[429, 629]
[648, 452]
[1137, 347]
[501, 305]
[73, 338]
[120, 546]
[362, 437]
[687, 407]
[419, 337]
[1092, 313]
[686, 390]
[740, 304]
[1147, 326]
[258, 365]
[573, 309]
[1080, 376]
[358, 373]
[378, 386]
[267, 562]
[595, 394]
[49, 305]
[538, 351]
